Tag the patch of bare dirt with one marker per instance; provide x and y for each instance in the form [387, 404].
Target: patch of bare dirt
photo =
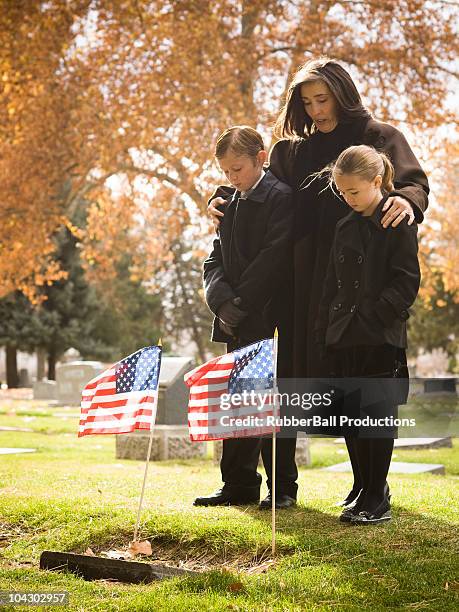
[198, 557]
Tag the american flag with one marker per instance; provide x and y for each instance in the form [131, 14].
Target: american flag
[124, 397]
[247, 369]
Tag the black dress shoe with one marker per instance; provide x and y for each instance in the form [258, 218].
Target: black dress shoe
[353, 496]
[227, 498]
[380, 515]
[347, 515]
[350, 500]
[282, 501]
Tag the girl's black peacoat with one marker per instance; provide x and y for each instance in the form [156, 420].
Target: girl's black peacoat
[372, 280]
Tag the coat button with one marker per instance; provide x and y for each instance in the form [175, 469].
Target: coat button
[359, 259]
[404, 315]
[341, 258]
[353, 308]
[356, 284]
[340, 284]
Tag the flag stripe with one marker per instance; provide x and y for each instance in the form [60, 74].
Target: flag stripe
[103, 414]
[103, 377]
[210, 381]
[124, 397]
[117, 399]
[119, 429]
[102, 421]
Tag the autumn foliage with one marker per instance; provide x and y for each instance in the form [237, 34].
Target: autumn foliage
[114, 106]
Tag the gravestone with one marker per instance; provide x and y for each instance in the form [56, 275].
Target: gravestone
[440, 385]
[169, 442]
[24, 378]
[415, 443]
[173, 393]
[72, 377]
[45, 390]
[396, 467]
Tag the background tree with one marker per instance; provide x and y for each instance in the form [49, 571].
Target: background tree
[121, 103]
[436, 322]
[129, 316]
[144, 87]
[36, 144]
[20, 330]
[186, 314]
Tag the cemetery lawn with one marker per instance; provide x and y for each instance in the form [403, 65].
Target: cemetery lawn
[73, 493]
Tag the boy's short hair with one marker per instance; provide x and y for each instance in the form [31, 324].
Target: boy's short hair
[240, 140]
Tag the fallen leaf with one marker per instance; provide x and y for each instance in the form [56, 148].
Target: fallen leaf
[140, 548]
[89, 552]
[116, 554]
[235, 587]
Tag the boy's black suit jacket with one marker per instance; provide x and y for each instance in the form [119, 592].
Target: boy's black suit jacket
[372, 279]
[250, 257]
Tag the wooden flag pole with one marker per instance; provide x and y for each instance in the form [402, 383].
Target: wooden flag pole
[150, 443]
[273, 461]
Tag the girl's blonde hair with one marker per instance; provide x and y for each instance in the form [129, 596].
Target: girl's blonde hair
[241, 140]
[367, 163]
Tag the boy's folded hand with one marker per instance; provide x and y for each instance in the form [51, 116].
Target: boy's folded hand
[227, 329]
[230, 314]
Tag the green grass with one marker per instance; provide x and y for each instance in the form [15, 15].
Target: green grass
[73, 493]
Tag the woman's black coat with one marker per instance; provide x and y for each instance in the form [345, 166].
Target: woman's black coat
[317, 211]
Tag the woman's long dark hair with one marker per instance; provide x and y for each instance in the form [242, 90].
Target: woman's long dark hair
[293, 121]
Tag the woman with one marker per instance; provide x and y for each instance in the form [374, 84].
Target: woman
[322, 116]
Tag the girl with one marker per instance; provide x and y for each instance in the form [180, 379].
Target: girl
[372, 279]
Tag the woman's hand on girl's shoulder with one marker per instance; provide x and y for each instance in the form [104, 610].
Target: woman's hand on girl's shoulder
[397, 209]
[213, 211]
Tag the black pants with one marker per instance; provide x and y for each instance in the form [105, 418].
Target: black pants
[240, 456]
[240, 460]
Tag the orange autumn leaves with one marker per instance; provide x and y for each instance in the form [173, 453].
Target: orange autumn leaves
[110, 111]
[439, 245]
[131, 224]
[35, 153]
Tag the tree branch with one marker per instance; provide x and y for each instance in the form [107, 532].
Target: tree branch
[189, 189]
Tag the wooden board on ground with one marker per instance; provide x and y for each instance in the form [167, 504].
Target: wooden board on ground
[416, 443]
[100, 568]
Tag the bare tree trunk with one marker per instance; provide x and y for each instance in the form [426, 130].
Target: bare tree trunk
[41, 356]
[189, 311]
[12, 378]
[52, 358]
[249, 21]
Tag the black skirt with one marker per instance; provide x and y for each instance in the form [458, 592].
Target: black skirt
[376, 382]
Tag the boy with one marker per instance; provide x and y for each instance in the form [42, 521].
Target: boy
[243, 278]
